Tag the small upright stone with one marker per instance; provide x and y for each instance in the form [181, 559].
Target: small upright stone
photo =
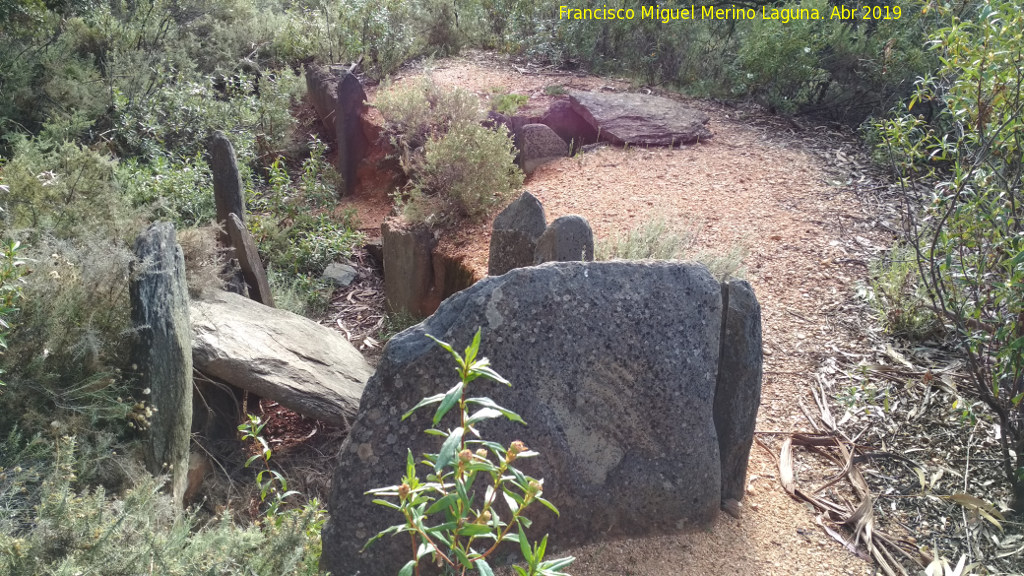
[228, 193]
[538, 144]
[515, 234]
[352, 143]
[738, 391]
[567, 239]
[162, 351]
[409, 283]
[249, 261]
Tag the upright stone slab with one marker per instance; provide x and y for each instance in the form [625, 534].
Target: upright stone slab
[352, 144]
[162, 352]
[613, 368]
[249, 260]
[409, 268]
[539, 145]
[567, 239]
[228, 193]
[738, 392]
[515, 234]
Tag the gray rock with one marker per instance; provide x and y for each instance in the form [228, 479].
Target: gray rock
[738, 392]
[249, 261]
[514, 235]
[339, 274]
[162, 350]
[613, 368]
[409, 283]
[639, 119]
[228, 192]
[567, 239]
[278, 355]
[348, 125]
[539, 145]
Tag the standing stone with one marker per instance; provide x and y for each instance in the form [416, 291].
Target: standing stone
[567, 239]
[162, 352]
[352, 143]
[228, 193]
[249, 260]
[539, 145]
[409, 268]
[514, 235]
[738, 393]
[613, 368]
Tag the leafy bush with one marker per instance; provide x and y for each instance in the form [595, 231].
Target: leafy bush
[49, 526]
[448, 496]
[896, 293]
[968, 234]
[11, 269]
[504, 102]
[464, 174]
[415, 111]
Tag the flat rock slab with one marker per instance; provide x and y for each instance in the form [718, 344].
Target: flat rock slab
[279, 355]
[639, 119]
[613, 368]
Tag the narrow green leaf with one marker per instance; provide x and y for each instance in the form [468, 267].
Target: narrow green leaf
[488, 403]
[559, 563]
[483, 568]
[538, 554]
[463, 559]
[449, 450]
[425, 402]
[450, 398]
[387, 504]
[483, 414]
[410, 464]
[510, 500]
[473, 348]
[448, 347]
[487, 372]
[442, 504]
[407, 569]
[524, 544]
[520, 571]
[549, 505]
[474, 530]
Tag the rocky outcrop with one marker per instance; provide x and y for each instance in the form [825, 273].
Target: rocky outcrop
[228, 192]
[613, 367]
[640, 119]
[567, 239]
[738, 392]
[162, 351]
[539, 145]
[257, 284]
[514, 235]
[278, 355]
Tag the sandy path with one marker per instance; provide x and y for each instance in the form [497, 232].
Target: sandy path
[770, 195]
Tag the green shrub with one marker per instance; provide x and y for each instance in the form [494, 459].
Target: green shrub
[11, 270]
[464, 174]
[49, 525]
[898, 298]
[415, 111]
[504, 102]
[443, 516]
[968, 234]
[298, 293]
[656, 239]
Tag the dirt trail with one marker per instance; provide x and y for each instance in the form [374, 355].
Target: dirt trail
[751, 185]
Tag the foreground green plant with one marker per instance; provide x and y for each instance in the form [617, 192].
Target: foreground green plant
[443, 516]
[11, 269]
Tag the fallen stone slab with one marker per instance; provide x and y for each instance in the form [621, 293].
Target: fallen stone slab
[613, 368]
[278, 355]
[249, 260]
[640, 119]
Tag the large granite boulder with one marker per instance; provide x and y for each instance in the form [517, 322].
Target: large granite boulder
[514, 235]
[613, 368]
[278, 355]
[567, 239]
[640, 119]
[162, 351]
[739, 384]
